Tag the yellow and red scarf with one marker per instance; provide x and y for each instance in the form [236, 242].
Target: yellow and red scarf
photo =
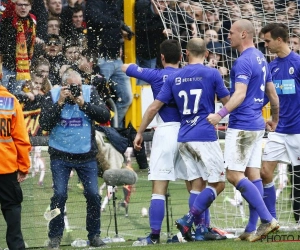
[24, 27]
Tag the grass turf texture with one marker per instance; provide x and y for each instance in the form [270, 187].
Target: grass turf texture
[37, 199]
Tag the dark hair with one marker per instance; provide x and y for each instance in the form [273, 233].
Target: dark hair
[277, 30]
[90, 55]
[171, 49]
[70, 42]
[36, 63]
[77, 8]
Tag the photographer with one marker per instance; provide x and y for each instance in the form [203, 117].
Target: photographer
[68, 113]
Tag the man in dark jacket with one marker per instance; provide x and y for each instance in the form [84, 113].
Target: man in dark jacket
[68, 113]
[104, 25]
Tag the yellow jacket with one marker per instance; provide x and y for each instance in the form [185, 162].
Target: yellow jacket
[14, 141]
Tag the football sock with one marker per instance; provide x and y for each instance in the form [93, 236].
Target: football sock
[253, 197]
[156, 213]
[270, 198]
[202, 202]
[199, 219]
[253, 215]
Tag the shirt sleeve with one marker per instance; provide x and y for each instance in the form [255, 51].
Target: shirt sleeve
[21, 139]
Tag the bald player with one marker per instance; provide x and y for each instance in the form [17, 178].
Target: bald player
[250, 78]
[194, 88]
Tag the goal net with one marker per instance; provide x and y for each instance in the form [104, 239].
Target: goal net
[211, 20]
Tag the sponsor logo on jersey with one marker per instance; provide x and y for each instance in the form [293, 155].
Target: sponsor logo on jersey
[242, 77]
[139, 69]
[275, 70]
[193, 122]
[165, 78]
[260, 59]
[177, 80]
[258, 100]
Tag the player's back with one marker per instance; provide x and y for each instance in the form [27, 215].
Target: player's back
[286, 78]
[251, 69]
[193, 88]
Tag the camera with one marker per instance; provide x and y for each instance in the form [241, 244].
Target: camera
[75, 90]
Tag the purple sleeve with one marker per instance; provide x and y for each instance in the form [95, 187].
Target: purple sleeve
[242, 72]
[221, 90]
[144, 74]
[165, 95]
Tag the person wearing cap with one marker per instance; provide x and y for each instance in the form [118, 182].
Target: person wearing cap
[215, 58]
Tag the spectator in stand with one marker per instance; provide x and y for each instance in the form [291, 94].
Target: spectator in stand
[210, 36]
[17, 40]
[79, 26]
[211, 20]
[193, 9]
[41, 13]
[42, 67]
[53, 53]
[54, 8]
[294, 42]
[147, 23]
[248, 10]
[71, 52]
[53, 25]
[73, 24]
[268, 9]
[104, 25]
[216, 59]
[291, 10]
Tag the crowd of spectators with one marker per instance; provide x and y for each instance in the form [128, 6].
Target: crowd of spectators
[65, 28]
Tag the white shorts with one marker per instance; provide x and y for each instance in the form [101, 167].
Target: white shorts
[243, 149]
[202, 159]
[283, 148]
[164, 151]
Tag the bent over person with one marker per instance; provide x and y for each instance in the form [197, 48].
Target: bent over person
[15, 145]
[69, 112]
